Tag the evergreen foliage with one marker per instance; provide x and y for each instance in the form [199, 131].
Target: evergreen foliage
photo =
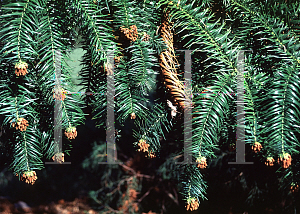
[147, 71]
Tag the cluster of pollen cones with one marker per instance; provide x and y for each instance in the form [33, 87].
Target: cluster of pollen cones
[270, 161]
[71, 132]
[131, 33]
[285, 160]
[132, 116]
[144, 148]
[60, 94]
[59, 157]
[294, 187]
[21, 68]
[29, 177]
[202, 162]
[192, 205]
[21, 124]
[143, 145]
[256, 147]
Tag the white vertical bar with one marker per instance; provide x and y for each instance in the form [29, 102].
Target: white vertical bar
[110, 122]
[57, 109]
[240, 143]
[187, 108]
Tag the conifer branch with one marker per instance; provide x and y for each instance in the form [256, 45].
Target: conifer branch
[19, 38]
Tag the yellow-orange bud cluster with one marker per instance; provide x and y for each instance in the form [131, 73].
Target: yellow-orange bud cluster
[270, 161]
[132, 116]
[285, 159]
[131, 34]
[151, 154]
[29, 177]
[143, 145]
[21, 124]
[192, 205]
[60, 94]
[294, 187]
[21, 68]
[59, 157]
[256, 147]
[202, 162]
[71, 132]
